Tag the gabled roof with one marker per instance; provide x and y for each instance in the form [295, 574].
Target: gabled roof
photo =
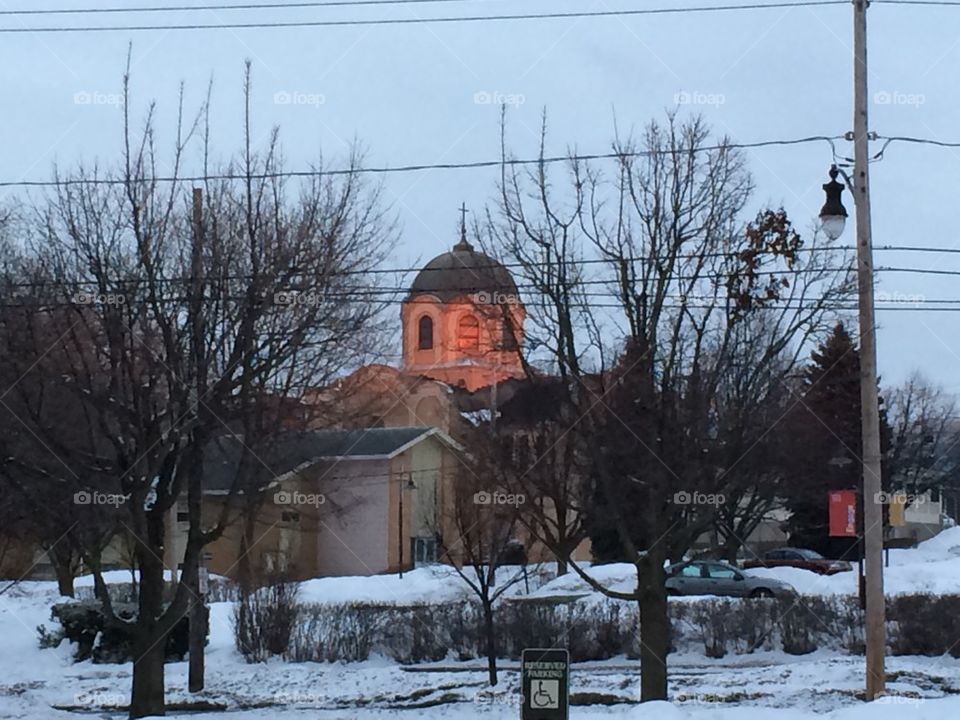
[293, 451]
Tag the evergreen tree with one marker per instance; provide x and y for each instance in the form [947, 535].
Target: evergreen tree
[826, 446]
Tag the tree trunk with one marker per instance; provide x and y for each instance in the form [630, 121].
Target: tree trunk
[149, 650]
[491, 643]
[148, 675]
[729, 551]
[654, 631]
[245, 579]
[64, 575]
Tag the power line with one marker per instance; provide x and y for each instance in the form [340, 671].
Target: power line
[427, 20]
[386, 170]
[292, 286]
[942, 3]
[424, 167]
[479, 164]
[590, 302]
[228, 7]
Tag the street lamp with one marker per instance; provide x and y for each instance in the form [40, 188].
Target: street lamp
[833, 215]
[408, 485]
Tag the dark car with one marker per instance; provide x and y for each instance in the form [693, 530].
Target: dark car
[799, 558]
[710, 577]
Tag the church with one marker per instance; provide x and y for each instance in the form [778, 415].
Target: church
[364, 492]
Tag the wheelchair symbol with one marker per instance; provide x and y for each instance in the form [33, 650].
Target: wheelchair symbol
[546, 695]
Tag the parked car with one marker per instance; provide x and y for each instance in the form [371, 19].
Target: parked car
[710, 577]
[799, 558]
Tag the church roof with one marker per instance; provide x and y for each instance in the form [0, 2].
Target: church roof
[463, 271]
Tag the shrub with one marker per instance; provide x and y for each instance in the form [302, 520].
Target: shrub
[264, 621]
[84, 624]
[220, 589]
[797, 632]
[596, 630]
[925, 625]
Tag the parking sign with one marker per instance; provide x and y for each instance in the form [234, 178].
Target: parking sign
[546, 684]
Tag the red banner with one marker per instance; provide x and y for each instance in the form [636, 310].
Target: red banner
[843, 513]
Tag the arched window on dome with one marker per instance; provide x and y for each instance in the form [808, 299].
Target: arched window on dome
[468, 335]
[425, 333]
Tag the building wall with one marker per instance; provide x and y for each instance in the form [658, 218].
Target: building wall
[272, 542]
[453, 359]
[380, 395]
[350, 535]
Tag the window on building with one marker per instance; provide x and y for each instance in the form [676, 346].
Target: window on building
[425, 333]
[275, 561]
[290, 516]
[423, 550]
[469, 333]
[183, 516]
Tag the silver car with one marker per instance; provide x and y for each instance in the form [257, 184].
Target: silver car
[710, 577]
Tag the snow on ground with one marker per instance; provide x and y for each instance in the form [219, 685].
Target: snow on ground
[747, 687]
[432, 584]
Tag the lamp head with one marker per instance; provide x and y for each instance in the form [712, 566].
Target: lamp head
[833, 215]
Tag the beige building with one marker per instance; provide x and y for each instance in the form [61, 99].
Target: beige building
[331, 502]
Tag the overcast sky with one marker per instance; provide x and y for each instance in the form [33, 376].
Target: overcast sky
[427, 93]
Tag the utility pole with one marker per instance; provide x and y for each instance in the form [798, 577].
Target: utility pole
[197, 574]
[400, 542]
[198, 631]
[869, 400]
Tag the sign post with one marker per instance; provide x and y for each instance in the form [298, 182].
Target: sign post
[545, 679]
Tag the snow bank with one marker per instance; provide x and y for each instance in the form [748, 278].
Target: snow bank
[931, 567]
[434, 584]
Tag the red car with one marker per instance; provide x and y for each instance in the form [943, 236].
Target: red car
[799, 558]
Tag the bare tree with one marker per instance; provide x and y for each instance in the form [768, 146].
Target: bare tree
[642, 283]
[180, 326]
[540, 460]
[477, 534]
[925, 443]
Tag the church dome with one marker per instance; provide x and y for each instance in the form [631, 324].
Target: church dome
[463, 271]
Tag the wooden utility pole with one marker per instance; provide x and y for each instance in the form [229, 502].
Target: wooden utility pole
[400, 542]
[869, 397]
[197, 626]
